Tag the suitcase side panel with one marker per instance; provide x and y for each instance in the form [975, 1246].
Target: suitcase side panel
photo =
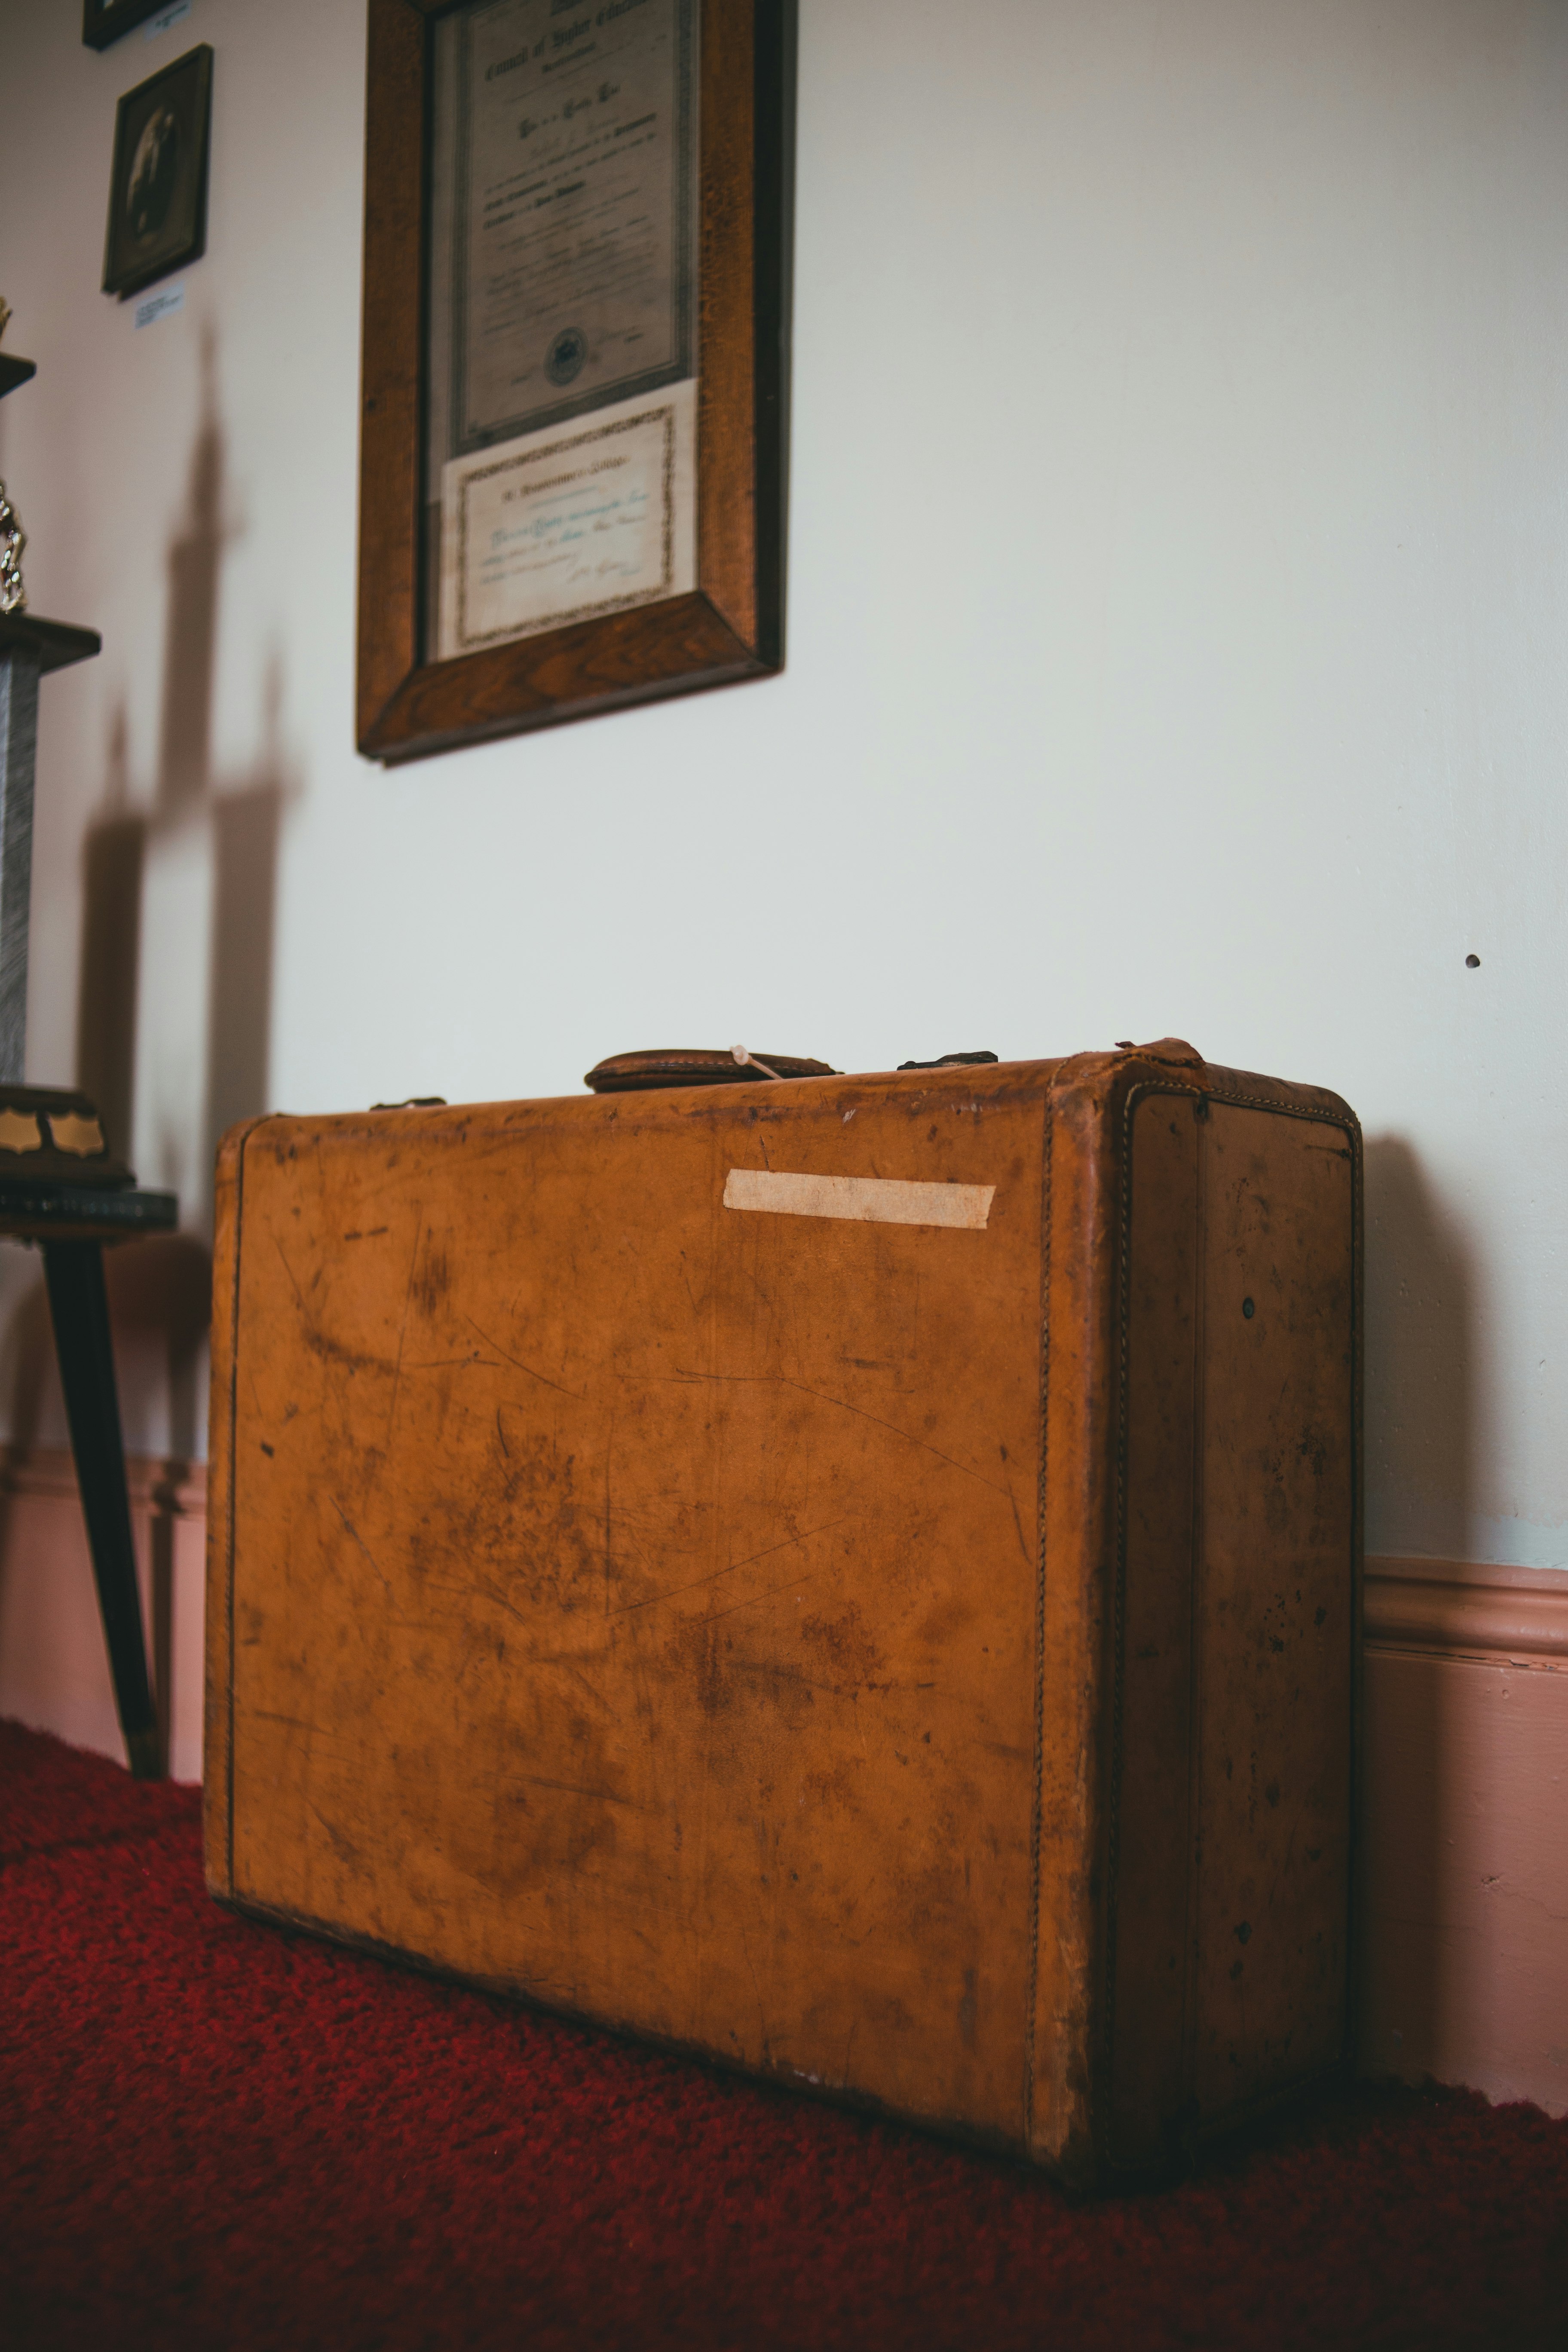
[1230, 1451]
[637, 1597]
[1278, 1604]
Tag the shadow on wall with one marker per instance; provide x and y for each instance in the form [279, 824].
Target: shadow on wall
[1419, 1473]
[218, 836]
[1419, 1408]
[242, 816]
[160, 1289]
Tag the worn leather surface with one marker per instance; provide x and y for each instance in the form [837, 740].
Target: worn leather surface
[813, 1641]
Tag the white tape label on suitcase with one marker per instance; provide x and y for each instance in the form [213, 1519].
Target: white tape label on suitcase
[867, 1199]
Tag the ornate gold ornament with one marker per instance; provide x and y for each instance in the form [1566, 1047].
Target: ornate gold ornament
[12, 540]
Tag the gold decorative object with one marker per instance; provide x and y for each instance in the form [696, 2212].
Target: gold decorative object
[12, 540]
[20, 1132]
[77, 1133]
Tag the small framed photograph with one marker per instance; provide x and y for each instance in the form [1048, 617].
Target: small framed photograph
[158, 188]
[103, 21]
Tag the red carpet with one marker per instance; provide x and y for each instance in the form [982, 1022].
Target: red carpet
[214, 2135]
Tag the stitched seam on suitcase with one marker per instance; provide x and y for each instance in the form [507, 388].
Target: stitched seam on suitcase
[1037, 1799]
[1117, 1589]
[1188, 2072]
[1358, 1583]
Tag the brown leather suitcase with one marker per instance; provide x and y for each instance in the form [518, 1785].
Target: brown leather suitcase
[855, 1577]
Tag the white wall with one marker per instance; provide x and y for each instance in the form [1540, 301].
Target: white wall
[1178, 604]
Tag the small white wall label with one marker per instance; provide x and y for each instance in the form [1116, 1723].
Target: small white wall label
[172, 15]
[162, 305]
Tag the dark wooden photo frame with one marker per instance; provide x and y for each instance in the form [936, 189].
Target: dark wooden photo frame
[730, 624]
[158, 182]
[103, 21]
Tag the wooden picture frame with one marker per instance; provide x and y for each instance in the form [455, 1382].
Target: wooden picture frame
[158, 180]
[103, 21]
[729, 624]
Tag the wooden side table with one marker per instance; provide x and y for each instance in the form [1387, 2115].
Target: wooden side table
[72, 1223]
[59, 1184]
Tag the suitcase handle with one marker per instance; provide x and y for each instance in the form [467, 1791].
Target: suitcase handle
[673, 1065]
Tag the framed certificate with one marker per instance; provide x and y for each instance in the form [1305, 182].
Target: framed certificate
[575, 359]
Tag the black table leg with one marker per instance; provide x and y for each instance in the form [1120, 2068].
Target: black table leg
[79, 1305]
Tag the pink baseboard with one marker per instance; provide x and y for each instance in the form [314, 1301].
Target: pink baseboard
[1463, 1963]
